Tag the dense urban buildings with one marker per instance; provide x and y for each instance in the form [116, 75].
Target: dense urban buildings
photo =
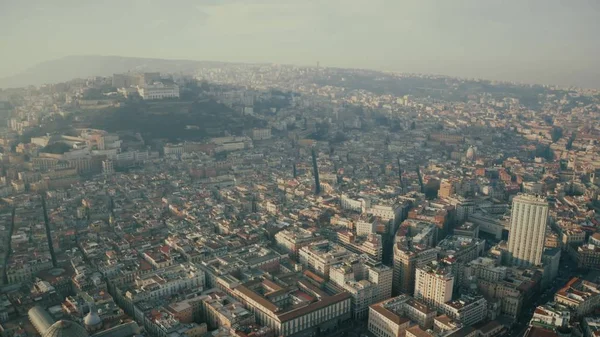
[273, 200]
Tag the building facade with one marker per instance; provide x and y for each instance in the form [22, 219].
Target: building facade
[434, 284]
[158, 91]
[528, 222]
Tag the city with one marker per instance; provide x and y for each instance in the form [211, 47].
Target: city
[271, 200]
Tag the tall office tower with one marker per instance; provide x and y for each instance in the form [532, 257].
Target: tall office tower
[434, 284]
[527, 230]
[316, 172]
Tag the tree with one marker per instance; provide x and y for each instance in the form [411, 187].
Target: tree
[544, 151]
[556, 134]
[93, 93]
[56, 148]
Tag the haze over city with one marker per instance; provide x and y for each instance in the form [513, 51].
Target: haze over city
[278, 168]
[537, 41]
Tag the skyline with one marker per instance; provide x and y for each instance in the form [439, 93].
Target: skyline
[182, 198]
[544, 42]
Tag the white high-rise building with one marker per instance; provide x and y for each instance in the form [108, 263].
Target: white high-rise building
[527, 230]
[434, 284]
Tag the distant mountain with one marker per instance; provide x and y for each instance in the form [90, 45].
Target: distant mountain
[70, 67]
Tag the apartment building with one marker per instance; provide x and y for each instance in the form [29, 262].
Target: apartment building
[580, 295]
[385, 321]
[467, 310]
[166, 282]
[319, 256]
[293, 238]
[412, 248]
[551, 314]
[434, 284]
[392, 316]
[483, 268]
[367, 281]
[221, 310]
[158, 90]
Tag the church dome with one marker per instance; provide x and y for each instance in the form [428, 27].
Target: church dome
[64, 328]
[92, 320]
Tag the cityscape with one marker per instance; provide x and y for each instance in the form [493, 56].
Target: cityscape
[231, 168]
[272, 200]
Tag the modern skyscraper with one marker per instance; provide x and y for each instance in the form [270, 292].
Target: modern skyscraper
[527, 230]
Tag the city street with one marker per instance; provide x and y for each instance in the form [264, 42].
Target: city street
[567, 270]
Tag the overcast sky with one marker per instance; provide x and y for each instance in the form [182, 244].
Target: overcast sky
[539, 41]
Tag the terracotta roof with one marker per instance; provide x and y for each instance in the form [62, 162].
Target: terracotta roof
[389, 315]
[257, 298]
[466, 331]
[444, 319]
[418, 332]
[487, 327]
[422, 307]
[539, 332]
[324, 302]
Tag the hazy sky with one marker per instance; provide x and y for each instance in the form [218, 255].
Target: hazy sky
[543, 41]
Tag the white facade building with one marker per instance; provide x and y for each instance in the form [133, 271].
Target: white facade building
[260, 134]
[173, 149]
[365, 227]
[434, 284]
[167, 281]
[391, 317]
[467, 310]
[108, 167]
[367, 281]
[294, 238]
[552, 314]
[527, 230]
[354, 204]
[159, 90]
[385, 212]
[320, 256]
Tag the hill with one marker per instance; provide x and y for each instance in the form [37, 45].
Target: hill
[174, 120]
[83, 66]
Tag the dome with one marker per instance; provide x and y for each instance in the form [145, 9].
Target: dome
[92, 319]
[40, 319]
[64, 328]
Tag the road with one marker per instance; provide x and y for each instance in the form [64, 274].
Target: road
[567, 270]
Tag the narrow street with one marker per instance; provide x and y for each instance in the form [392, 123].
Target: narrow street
[567, 270]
